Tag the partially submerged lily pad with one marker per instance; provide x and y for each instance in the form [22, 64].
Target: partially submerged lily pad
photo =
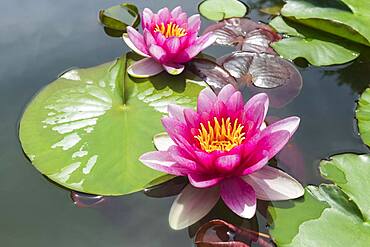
[87, 129]
[317, 48]
[363, 116]
[329, 215]
[212, 73]
[244, 34]
[117, 18]
[275, 76]
[217, 10]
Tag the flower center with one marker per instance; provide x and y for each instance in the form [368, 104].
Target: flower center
[222, 136]
[170, 30]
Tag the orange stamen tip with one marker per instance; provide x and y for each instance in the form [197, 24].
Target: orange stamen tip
[170, 30]
[222, 135]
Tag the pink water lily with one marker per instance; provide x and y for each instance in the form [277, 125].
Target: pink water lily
[169, 40]
[223, 148]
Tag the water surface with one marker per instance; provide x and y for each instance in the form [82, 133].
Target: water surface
[40, 39]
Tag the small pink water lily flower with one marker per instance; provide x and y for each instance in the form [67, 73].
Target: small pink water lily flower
[169, 40]
[223, 148]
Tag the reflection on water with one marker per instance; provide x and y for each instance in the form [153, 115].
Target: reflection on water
[42, 38]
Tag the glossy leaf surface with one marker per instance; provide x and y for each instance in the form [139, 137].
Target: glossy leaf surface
[87, 129]
[217, 10]
[315, 47]
[328, 215]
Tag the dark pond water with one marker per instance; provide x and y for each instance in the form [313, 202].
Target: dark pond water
[40, 39]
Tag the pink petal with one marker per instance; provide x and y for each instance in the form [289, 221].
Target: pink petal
[206, 99]
[161, 161]
[132, 46]
[191, 118]
[157, 52]
[192, 205]
[176, 11]
[172, 45]
[176, 112]
[203, 181]
[147, 18]
[256, 108]
[144, 68]
[273, 142]
[289, 124]
[148, 38]
[164, 15]
[239, 197]
[205, 40]
[256, 165]
[235, 103]
[226, 93]
[159, 38]
[182, 19]
[163, 141]
[227, 163]
[273, 184]
[194, 23]
[174, 69]
[137, 40]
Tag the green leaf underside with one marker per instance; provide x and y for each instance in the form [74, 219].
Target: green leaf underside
[120, 16]
[85, 132]
[317, 48]
[350, 21]
[363, 116]
[328, 215]
[218, 10]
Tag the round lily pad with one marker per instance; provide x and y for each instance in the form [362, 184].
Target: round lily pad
[217, 10]
[86, 130]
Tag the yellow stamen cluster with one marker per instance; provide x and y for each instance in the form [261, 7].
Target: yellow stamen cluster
[222, 136]
[170, 30]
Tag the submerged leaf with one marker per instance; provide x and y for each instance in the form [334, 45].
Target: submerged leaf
[117, 18]
[268, 73]
[245, 34]
[87, 129]
[217, 10]
[221, 233]
[363, 116]
[213, 74]
[329, 215]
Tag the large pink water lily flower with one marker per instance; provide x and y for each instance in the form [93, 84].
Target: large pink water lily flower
[223, 148]
[169, 40]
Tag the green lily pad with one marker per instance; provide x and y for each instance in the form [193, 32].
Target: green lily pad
[217, 10]
[87, 129]
[316, 47]
[363, 116]
[328, 215]
[347, 18]
[117, 18]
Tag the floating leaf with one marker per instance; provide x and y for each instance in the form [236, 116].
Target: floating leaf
[347, 18]
[329, 215]
[87, 129]
[273, 10]
[245, 34]
[117, 18]
[218, 10]
[315, 47]
[363, 116]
